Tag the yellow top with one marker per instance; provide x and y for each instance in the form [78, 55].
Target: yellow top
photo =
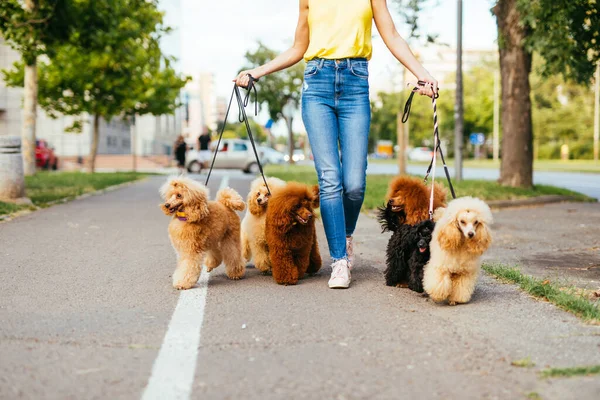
[339, 29]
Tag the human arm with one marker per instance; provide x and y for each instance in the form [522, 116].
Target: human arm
[286, 59]
[399, 47]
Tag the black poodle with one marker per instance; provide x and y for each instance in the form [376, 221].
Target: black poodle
[407, 250]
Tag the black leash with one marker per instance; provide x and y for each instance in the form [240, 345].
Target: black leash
[436, 134]
[242, 117]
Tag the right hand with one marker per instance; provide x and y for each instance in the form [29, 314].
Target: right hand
[242, 79]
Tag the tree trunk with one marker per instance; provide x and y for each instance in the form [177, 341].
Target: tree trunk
[94, 147]
[516, 167]
[29, 118]
[290, 139]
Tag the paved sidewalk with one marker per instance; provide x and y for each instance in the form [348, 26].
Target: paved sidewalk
[86, 300]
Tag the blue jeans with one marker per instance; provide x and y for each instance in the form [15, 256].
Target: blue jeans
[337, 115]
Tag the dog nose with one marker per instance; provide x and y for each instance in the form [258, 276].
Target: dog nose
[259, 201]
[471, 234]
[167, 205]
[309, 216]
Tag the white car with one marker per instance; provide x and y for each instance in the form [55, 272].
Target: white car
[420, 154]
[272, 156]
[233, 154]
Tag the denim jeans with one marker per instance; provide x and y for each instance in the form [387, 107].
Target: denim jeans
[337, 115]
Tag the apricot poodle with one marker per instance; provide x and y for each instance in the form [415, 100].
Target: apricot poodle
[254, 242]
[407, 201]
[291, 234]
[202, 230]
[461, 236]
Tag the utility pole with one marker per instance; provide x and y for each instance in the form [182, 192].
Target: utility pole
[496, 137]
[597, 114]
[458, 107]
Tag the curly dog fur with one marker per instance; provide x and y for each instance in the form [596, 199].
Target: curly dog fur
[407, 253]
[211, 229]
[460, 237]
[291, 233]
[254, 242]
[407, 200]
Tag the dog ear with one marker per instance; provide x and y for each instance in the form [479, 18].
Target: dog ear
[315, 196]
[253, 206]
[195, 205]
[450, 236]
[482, 240]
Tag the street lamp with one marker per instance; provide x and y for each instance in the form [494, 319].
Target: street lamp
[288, 111]
[458, 107]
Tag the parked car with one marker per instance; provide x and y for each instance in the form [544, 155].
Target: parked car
[45, 157]
[420, 154]
[272, 156]
[233, 154]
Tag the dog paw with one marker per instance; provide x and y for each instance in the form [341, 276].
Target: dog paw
[210, 268]
[451, 303]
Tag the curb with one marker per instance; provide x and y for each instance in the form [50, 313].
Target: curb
[20, 213]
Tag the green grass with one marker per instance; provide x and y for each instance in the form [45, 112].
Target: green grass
[46, 187]
[533, 396]
[377, 186]
[538, 165]
[566, 298]
[570, 372]
[523, 363]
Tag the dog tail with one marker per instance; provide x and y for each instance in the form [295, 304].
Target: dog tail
[389, 220]
[231, 199]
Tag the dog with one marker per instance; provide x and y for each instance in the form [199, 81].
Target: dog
[202, 229]
[407, 253]
[461, 235]
[291, 234]
[407, 201]
[254, 242]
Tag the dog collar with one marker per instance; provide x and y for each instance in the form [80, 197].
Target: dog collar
[181, 216]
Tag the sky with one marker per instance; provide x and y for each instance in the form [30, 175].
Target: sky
[214, 35]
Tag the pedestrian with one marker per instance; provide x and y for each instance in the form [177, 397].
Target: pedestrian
[204, 147]
[180, 148]
[334, 38]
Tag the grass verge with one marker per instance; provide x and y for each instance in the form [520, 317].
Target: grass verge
[570, 372]
[377, 186]
[47, 187]
[523, 363]
[566, 298]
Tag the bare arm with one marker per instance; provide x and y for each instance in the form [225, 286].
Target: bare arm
[398, 46]
[286, 59]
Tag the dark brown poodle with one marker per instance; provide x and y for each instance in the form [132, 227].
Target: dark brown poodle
[291, 234]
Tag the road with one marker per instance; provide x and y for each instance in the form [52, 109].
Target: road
[586, 183]
[87, 311]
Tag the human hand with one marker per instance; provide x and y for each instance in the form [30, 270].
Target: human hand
[243, 80]
[430, 88]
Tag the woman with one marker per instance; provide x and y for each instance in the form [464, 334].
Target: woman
[334, 38]
[180, 148]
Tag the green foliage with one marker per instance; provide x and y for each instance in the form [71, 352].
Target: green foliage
[32, 32]
[570, 372]
[278, 88]
[565, 33]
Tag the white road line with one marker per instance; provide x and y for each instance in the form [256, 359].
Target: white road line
[175, 366]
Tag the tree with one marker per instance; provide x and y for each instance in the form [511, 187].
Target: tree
[564, 33]
[118, 70]
[31, 27]
[278, 89]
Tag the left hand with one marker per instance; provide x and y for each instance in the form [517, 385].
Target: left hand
[431, 85]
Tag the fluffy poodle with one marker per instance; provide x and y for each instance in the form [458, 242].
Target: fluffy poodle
[407, 200]
[407, 253]
[291, 234]
[461, 236]
[200, 228]
[254, 243]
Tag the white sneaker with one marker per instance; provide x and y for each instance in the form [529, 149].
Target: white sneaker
[350, 251]
[340, 275]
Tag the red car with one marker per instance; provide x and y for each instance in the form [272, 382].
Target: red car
[44, 155]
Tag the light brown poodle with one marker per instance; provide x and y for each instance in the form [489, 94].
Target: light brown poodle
[202, 228]
[461, 235]
[408, 199]
[254, 242]
[291, 233]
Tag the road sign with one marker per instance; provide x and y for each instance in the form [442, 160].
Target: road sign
[477, 138]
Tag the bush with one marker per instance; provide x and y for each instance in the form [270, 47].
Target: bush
[549, 151]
